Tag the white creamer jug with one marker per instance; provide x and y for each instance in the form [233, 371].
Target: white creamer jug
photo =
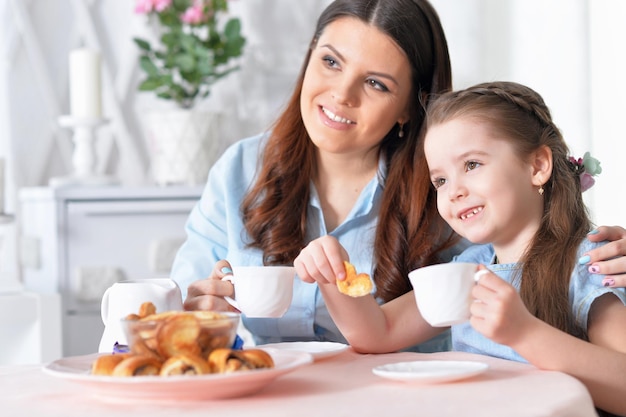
[125, 297]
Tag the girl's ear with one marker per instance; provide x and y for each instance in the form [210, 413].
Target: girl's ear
[541, 164]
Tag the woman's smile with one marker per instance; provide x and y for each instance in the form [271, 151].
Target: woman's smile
[336, 118]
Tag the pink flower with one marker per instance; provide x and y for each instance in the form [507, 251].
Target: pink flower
[146, 6]
[193, 15]
[586, 167]
[586, 181]
[160, 5]
[143, 6]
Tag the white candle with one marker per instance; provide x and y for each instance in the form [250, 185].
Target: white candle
[85, 100]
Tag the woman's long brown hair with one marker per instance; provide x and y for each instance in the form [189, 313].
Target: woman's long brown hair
[519, 115]
[410, 232]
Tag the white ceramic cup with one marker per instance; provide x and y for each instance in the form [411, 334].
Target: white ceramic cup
[262, 291]
[125, 297]
[443, 292]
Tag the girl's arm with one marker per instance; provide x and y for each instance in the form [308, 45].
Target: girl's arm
[600, 364]
[610, 259]
[368, 327]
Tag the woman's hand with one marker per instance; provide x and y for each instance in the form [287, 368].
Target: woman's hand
[610, 259]
[321, 261]
[209, 293]
[498, 311]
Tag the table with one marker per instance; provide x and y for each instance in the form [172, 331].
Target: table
[343, 385]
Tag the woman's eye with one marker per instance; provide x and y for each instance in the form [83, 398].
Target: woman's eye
[377, 85]
[330, 62]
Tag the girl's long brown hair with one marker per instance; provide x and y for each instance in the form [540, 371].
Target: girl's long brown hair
[519, 115]
[410, 232]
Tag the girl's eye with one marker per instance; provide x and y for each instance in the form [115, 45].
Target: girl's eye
[471, 165]
[330, 61]
[377, 85]
[439, 182]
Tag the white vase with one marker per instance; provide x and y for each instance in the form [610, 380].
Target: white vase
[183, 144]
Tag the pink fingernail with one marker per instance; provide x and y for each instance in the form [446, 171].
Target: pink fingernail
[594, 269]
[609, 282]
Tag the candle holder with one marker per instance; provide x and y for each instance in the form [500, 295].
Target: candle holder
[84, 156]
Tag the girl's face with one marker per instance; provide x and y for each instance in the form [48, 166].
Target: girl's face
[484, 190]
[356, 87]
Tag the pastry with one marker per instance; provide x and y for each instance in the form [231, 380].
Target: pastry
[185, 365]
[105, 364]
[224, 360]
[178, 335]
[354, 285]
[137, 365]
[178, 343]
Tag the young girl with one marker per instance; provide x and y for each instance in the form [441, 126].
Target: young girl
[504, 180]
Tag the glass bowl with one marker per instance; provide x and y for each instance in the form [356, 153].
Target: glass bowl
[175, 333]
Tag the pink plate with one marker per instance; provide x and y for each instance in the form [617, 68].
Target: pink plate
[194, 388]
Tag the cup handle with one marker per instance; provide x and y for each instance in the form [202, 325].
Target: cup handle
[104, 306]
[479, 274]
[228, 299]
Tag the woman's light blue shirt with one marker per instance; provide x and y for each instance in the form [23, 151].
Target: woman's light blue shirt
[215, 231]
[584, 289]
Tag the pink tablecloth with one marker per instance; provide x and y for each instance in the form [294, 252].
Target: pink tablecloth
[343, 385]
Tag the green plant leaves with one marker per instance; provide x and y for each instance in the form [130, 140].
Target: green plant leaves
[142, 44]
[190, 58]
[146, 64]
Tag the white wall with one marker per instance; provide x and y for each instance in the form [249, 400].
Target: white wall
[608, 107]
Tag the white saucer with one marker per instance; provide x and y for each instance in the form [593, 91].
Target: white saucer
[319, 350]
[430, 371]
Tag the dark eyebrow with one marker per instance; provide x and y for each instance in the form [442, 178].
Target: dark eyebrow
[378, 74]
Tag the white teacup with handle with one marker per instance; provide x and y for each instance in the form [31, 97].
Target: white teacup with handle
[443, 291]
[262, 291]
[125, 297]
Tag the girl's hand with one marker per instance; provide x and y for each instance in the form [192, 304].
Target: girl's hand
[498, 312]
[321, 261]
[209, 293]
[610, 259]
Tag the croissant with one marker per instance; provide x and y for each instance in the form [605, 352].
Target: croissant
[185, 365]
[224, 360]
[137, 365]
[178, 343]
[178, 335]
[104, 365]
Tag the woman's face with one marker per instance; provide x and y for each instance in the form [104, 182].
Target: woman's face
[356, 87]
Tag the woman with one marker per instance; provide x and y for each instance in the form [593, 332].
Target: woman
[338, 165]
[338, 162]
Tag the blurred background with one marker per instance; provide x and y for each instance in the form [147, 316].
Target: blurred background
[571, 51]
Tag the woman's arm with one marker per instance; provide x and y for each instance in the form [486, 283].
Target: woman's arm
[600, 364]
[214, 229]
[209, 293]
[367, 326]
[609, 259]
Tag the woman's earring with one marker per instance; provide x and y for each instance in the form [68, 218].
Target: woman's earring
[541, 190]
[401, 132]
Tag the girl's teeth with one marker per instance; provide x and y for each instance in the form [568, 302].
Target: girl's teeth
[472, 213]
[332, 116]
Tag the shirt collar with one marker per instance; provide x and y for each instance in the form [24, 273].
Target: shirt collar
[368, 200]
